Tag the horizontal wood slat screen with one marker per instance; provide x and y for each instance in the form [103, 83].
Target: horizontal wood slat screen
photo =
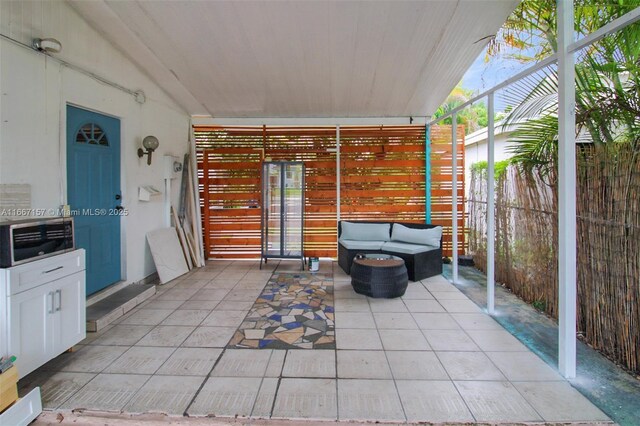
[382, 178]
[315, 146]
[441, 185]
[374, 162]
[229, 170]
[235, 156]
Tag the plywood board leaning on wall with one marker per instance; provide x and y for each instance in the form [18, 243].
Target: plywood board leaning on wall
[167, 254]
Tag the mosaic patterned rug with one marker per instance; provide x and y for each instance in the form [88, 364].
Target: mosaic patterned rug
[294, 311]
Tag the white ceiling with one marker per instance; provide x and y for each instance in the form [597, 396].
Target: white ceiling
[301, 58]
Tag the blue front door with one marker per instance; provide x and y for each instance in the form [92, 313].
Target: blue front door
[93, 192]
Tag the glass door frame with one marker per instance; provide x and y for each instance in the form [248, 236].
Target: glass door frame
[283, 166]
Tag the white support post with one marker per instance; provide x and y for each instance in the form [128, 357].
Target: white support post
[454, 196]
[338, 204]
[566, 193]
[491, 212]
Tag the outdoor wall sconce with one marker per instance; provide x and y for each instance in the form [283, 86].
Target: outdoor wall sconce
[46, 45]
[150, 143]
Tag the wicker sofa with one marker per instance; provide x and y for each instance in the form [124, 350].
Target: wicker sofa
[415, 243]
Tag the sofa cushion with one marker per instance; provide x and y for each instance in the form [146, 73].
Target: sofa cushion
[407, 248]
[427, 237]
[361, 245]
[365, 231]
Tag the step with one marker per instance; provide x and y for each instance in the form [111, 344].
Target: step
[107, 310]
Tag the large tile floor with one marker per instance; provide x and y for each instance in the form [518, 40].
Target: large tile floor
[430, 356]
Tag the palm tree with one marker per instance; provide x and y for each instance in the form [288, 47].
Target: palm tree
[473, 118]
[607, 84]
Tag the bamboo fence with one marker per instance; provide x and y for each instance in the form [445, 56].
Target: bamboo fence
[608, 244]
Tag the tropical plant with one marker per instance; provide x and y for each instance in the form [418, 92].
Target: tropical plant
[530, 32]
[473, 118]
[608, 118]
[607, 83]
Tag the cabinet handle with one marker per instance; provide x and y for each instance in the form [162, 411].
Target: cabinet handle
[51, 270]
[59, 293]
[52, 302]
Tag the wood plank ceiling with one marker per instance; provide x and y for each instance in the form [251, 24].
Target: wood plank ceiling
[302, 58]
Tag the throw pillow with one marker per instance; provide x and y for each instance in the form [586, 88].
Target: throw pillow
[429, 237]
[365, 231]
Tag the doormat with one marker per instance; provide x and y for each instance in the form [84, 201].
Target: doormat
[294, 311]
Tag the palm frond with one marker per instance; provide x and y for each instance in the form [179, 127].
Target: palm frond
[534, 143]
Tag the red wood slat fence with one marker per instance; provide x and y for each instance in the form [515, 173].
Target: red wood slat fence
[375, 163]
[229, 169]
[382, 172]
[441, 185]
[313, 146]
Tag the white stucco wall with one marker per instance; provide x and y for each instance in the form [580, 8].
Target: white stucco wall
[35, 90]
[475, 150]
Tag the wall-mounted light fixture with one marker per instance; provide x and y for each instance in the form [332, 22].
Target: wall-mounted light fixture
[150, 144]
[46, 45]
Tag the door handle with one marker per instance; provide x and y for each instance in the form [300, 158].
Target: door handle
[52, 302]
[59, 293]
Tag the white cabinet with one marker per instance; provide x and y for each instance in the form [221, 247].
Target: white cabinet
[30, 329]
[43, 310]
[71, 324]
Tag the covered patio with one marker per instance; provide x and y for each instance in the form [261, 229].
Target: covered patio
[431, 356]
[205, 344]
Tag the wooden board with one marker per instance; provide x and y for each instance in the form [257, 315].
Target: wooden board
[167, 254]
[182, 238]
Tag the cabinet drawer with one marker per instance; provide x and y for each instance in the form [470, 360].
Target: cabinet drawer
[33, 274]
[24, 411]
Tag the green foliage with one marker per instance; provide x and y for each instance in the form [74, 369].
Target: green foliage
[473, 118]
[607, 80]
[479, 167]
[530, 32]
[499, 167]
[540, 305]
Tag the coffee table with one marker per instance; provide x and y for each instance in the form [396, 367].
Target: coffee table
[379, 275]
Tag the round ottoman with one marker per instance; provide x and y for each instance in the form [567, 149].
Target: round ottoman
[379, 275]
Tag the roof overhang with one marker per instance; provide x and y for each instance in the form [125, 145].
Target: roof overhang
[292, 59]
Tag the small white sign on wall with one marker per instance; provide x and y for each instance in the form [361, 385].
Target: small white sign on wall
[15, 196]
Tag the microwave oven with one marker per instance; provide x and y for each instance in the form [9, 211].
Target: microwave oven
[25, 240]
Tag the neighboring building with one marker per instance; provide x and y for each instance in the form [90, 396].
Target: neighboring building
[475, 149]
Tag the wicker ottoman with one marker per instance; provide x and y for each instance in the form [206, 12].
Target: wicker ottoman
[379, 275]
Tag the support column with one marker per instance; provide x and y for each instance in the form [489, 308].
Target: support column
[427, 173]
[491, 208]
[338, 203]
[566, 193]
[207, 203]
[454, 196]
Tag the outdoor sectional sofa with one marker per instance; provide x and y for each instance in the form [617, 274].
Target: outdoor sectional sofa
[419, 245]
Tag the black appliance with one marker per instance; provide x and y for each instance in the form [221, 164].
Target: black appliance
[24, 240]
